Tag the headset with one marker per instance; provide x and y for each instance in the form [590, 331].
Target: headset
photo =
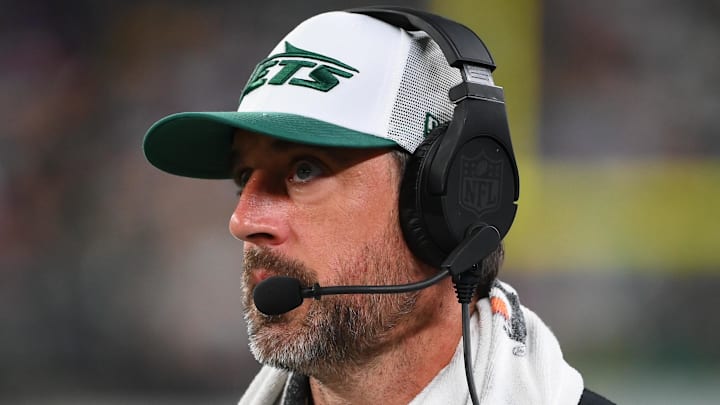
[463, 178]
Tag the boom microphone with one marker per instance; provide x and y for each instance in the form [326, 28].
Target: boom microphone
[278, 295]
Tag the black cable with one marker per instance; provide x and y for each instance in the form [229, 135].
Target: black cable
[467, 352]
[465, 287]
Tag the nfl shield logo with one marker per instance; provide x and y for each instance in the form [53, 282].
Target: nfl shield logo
[480, 183]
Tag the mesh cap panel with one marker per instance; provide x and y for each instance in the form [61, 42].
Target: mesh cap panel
[423, 90]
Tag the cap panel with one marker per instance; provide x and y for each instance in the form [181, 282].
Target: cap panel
[324, 70]
[422, 100]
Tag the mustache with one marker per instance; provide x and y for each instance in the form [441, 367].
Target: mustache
[279, 265]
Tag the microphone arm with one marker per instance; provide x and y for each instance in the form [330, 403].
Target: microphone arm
[316, 291]
[482, 241]
[278, 295]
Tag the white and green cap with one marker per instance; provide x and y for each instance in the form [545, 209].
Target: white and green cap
[339, 79]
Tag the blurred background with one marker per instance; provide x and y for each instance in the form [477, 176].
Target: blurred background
[119, 284]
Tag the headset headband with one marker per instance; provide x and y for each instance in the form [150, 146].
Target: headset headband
[459, 44]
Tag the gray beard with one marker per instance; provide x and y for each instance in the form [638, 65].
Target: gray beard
[337, 332]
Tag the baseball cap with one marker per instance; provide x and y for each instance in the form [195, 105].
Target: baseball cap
[339, 79]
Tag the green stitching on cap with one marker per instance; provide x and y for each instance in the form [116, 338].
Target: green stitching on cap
[293, 51]
[290, 67]
[324, 77]
[257, 78]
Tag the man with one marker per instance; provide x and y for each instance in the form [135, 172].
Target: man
[318, 150]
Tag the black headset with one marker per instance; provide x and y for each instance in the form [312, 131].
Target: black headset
[463, 179]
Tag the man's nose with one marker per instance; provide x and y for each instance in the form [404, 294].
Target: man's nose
[261, 214]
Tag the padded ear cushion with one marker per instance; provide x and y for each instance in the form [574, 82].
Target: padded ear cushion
[417, 236]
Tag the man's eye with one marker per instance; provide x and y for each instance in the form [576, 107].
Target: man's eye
[305, 171]
[241, 179]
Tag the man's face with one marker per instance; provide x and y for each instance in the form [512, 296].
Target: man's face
[327, 216]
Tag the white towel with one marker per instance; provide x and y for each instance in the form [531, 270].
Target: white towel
[516, 361]
[266, 387]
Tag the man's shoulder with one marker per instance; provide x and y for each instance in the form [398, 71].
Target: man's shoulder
[591, 398]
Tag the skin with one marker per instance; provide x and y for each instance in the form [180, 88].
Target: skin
[329, 215]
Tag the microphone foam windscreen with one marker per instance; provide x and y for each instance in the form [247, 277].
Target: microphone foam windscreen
[277, 295]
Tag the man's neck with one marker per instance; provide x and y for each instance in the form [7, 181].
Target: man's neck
[408, 363]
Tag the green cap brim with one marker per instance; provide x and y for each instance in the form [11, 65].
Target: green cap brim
[199, 144]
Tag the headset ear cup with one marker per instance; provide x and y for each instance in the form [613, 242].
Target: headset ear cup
[415, 231]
